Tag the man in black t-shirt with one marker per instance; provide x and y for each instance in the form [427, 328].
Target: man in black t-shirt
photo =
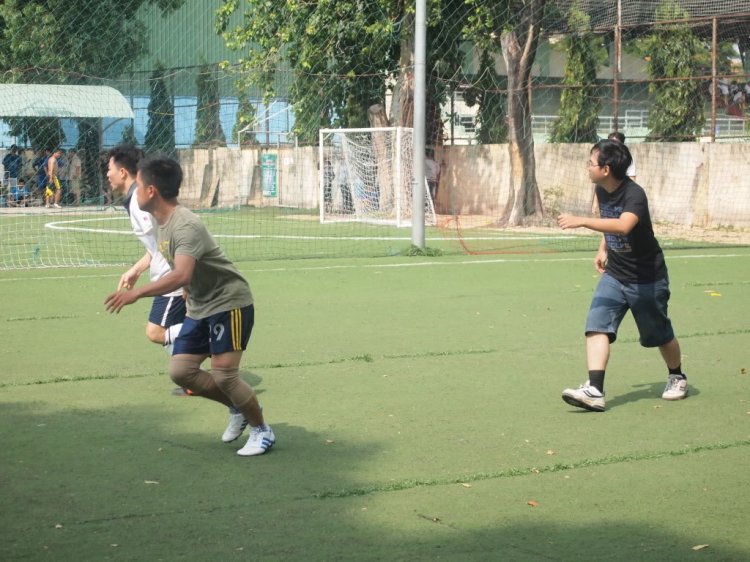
[634, 276]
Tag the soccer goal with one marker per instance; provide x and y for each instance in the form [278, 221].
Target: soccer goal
[366, 175]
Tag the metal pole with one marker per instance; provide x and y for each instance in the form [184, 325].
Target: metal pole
[616, 70]
[714, 48]
[420, 65]
[321, 196]
[453, 114]
[399, 177]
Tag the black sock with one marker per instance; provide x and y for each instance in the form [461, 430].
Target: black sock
[596, 379]
[677, 371]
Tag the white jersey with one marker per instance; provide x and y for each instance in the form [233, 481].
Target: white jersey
[144, 227]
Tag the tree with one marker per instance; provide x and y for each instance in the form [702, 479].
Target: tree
[128, 135]
[342, 56]
[78, 42]
[578, 116]
[513, 27]
[488, 94]
[160, 135]
[673, 51]
[208, 130]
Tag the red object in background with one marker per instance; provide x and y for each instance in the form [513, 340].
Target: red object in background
[734, 110]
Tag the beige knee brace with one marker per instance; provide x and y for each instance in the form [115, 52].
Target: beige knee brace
[186, 372]
[230, 383]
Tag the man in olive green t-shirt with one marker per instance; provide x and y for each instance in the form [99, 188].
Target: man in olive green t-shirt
[220, 312]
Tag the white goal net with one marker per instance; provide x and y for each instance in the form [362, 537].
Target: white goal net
[366, 176]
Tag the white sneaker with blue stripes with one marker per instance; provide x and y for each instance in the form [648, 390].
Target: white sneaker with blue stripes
[261, 439]
[585, 396]
[235, 427]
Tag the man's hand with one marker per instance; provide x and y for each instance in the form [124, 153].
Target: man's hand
[116, 301]
[128, 279]
[569, 221]
[600, 261]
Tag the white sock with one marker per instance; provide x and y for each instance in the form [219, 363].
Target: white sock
[171, 333]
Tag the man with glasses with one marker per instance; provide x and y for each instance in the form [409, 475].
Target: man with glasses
[634, 276]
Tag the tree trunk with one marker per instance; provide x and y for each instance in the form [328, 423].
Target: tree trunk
[519, 50]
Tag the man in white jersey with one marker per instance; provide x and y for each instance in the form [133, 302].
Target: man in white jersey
[167, 311]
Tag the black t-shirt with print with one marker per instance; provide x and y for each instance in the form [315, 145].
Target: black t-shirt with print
[635, 257]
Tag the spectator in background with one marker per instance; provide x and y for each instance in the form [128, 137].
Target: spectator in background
[105, 190]
[328, 176]
[346, 192]
[432, 173]
[619, 137]
[18, 194]
[74, 175]
[64, 174]
[40, 171]
[12, 164]
[54, 190]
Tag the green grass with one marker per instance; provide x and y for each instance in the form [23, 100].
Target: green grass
[98, 236]
[416, 403]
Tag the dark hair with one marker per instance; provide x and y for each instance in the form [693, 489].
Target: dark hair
[615, 155]
[163, 173]
[126, 156]
[13, 147]
[20, 180]
[617, 135]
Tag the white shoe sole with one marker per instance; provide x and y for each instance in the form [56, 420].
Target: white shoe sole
[675, 398]
[578, 403]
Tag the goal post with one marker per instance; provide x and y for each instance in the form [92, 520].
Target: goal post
[365, 175]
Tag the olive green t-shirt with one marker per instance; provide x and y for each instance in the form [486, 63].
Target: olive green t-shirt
[216, 285]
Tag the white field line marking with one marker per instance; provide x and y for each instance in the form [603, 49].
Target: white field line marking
[59, 225]
[376, 266]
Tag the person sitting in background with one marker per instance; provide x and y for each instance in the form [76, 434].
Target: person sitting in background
[18, 194]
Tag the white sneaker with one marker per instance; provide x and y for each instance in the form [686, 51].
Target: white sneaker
[56, 206]
[676, 389]
[237, 424]
[261, 439]
[585, 396]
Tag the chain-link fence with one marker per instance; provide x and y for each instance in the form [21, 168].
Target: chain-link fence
[239, 91]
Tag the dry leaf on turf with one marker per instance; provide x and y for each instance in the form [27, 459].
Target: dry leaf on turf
[700, 547]
[150, 482]
[655, 407]
[329, 440]
[533, 503]
[114, 545]
[743, 371]
[58, 526]
[465, 485]
[535, 471]
[550, 453]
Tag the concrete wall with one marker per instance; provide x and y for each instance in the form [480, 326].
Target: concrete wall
[694, 184]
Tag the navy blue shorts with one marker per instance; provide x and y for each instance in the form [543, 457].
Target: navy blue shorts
[647, 301]
[219, 333]
[167, 311]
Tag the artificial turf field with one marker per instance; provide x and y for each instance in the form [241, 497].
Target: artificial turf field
[416, 404]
